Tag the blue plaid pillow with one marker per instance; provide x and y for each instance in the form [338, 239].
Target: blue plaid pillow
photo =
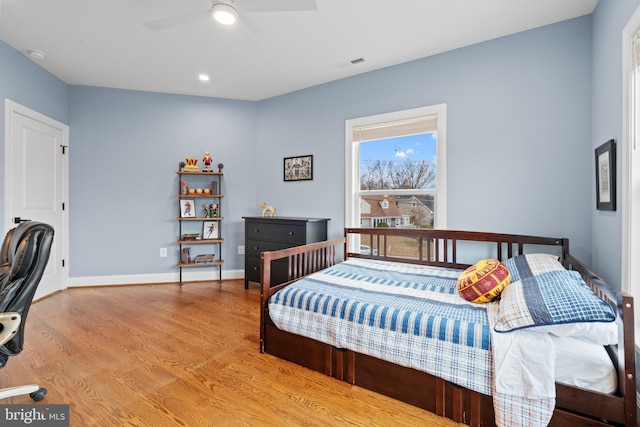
[528, 265]
[552, 298]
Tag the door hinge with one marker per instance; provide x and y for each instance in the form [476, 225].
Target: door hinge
[64, 148]
[63, 263]
[62, 205]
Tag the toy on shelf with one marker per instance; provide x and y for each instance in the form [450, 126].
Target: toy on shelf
[211, 210]
[207, 163]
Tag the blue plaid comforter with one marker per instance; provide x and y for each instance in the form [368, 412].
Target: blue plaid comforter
[412, 316]
[409, 315]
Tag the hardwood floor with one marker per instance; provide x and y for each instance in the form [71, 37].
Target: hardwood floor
[165, 355]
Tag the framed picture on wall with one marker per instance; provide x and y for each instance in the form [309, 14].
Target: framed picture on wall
[210, 230]
[606, 176]
[187, 208]
[298, 168]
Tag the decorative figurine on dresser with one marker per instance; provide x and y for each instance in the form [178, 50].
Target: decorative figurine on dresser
[271, 233]
[200, 220]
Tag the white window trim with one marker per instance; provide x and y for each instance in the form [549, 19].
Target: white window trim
[629, 138]
[352, 163]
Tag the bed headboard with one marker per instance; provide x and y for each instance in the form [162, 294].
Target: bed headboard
[444, 248]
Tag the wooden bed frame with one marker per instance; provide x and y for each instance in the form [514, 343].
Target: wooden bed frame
[574, 406]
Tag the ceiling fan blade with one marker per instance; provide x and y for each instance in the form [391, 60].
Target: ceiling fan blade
[275, 5]
[246, 28]
[175, 21]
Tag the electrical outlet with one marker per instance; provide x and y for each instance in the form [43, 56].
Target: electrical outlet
[163, 252]
[240, 250]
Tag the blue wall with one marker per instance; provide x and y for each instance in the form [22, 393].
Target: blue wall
[519, 106]
[610, 18]
[126, 146]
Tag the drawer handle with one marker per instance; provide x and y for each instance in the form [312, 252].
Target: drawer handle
[257, 230]
[255, 248]
[291, 233]
[255, 268]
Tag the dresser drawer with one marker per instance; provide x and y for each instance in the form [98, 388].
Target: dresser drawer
[278, 270]
[255, 247]
[252, 269]
[292, 234]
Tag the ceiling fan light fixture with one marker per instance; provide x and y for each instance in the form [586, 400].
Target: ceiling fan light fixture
[224, 13]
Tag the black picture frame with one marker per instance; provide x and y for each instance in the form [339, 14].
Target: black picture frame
[299, 168]
[606, 176]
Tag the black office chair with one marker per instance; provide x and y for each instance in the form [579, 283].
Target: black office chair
[23, 259]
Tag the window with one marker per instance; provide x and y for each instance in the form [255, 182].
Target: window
[630, 156]
[395, 167]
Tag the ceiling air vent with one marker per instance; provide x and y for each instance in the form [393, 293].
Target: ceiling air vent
[357, 61]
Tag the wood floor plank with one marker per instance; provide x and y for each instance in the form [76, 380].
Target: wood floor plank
[169, 355]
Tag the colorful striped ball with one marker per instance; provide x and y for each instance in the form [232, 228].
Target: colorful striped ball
[483, 281]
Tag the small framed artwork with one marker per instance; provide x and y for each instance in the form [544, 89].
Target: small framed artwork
[606, 176]
[187, 208]
[298, 168]
[210, 230]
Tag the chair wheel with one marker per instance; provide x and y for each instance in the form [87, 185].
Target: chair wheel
[38, 395]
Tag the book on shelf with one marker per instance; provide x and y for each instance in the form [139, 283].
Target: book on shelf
[186, 255]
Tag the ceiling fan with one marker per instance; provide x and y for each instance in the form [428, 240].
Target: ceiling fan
[228, 12]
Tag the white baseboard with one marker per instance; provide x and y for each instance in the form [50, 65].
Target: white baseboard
[131, 279]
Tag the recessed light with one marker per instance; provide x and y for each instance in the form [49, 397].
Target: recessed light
[224, 13]
[203, 77]
[36, 54]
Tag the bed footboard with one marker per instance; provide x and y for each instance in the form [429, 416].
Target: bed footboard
[302, 261]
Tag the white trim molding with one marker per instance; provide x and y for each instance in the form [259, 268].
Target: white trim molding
[146, 279]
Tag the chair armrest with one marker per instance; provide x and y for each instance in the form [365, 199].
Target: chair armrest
[9, 322]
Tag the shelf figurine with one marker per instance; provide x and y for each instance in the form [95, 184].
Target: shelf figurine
[185, 188]
[267, 210]
[207, 162]
[211, 211]
[192, 164]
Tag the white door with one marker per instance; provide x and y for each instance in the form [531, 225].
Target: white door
[36, 172]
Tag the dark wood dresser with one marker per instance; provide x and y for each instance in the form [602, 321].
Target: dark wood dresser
[271, 234]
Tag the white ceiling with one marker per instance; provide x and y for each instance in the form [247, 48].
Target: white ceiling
[104, 42]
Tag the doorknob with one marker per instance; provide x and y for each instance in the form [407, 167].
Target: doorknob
[18, 220]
